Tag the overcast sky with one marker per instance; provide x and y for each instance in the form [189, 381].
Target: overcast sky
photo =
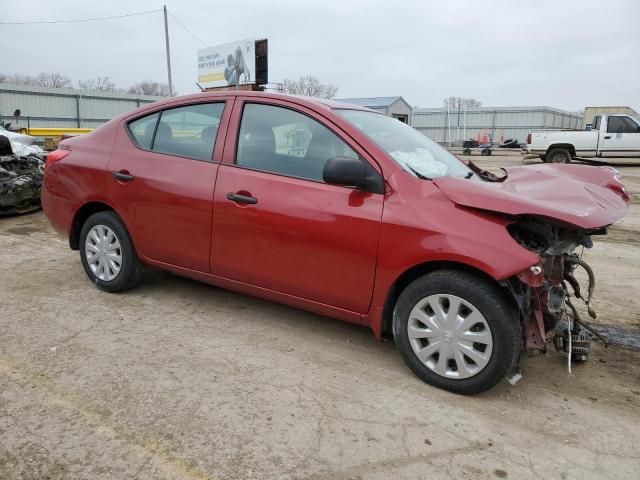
[564, 54]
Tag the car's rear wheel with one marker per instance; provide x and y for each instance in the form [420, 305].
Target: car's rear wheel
[107, 253]
[558, 155]
[457, 331]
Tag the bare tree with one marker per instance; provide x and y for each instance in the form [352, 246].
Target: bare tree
[53, 80]
[17, 79]
[103, 84]
[455, 103]
[149, 87]
[309, 86]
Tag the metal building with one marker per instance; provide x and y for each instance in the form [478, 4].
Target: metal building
[64, 107]
[490, 123]
[396, 107]
[590, 112]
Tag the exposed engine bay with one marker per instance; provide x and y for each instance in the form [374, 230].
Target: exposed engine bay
[548, 293]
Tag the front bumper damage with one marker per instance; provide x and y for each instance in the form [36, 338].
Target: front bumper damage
[553, 211]
[548, 293]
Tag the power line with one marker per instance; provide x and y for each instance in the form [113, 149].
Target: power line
[95, 19]
[186, 29]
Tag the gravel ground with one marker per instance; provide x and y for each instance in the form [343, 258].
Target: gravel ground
[178, 379]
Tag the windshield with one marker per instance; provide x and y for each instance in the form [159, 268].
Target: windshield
[416, 153]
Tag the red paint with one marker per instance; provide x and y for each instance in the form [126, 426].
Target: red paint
[576, 194]
[329, 249]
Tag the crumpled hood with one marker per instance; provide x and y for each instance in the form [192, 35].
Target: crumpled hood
[585, 196]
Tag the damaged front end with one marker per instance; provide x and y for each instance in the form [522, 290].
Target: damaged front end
[545, 291]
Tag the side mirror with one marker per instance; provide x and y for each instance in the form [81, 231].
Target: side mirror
[352, 172]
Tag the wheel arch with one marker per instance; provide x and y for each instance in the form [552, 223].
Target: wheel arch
[567, 146]
[425, 268]
[84, 212]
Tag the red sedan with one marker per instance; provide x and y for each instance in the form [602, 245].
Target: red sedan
[341, 211]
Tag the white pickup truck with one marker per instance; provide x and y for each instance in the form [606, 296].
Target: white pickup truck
[609, 136]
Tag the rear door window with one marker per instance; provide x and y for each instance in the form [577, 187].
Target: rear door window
[188, 131]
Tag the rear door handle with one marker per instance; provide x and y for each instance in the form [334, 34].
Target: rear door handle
[607, 137]
[234, 197]
[123, 177]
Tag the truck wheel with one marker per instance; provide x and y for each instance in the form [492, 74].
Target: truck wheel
[107, 253]
[558, 155]
[457, 331]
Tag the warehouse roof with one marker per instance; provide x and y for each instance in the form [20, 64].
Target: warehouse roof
[372, 102]
[419, 111]
[32, 89]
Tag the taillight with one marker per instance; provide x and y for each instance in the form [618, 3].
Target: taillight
[529, 138]
[55, 156]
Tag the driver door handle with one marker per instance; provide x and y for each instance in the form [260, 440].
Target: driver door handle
[234, 197]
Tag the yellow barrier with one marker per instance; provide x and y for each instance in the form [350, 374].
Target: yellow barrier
[54, 132]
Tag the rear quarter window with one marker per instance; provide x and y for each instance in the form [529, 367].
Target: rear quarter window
[142, 130]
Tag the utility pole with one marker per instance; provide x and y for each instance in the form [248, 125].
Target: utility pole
[166, 39]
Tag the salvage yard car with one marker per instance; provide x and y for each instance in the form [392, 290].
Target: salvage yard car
[609, 136]
[339, 210]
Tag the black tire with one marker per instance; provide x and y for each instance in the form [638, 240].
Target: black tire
[499, 313]
[558, 155]
[510, 143]
[466, 151]
[485, 152]
[131, 270]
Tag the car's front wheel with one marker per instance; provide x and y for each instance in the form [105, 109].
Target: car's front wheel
[457, 331]
[107, 253]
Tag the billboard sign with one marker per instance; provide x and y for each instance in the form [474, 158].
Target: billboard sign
[227, 65]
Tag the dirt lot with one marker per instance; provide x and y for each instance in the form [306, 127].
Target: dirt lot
[181, 380]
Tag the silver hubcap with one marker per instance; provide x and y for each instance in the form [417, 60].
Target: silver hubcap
[103, 252]
[450, 336]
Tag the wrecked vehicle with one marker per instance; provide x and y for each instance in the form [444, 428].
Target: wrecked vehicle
[20, 178]
[345, 212]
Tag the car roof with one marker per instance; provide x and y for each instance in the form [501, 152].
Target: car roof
[299, 99]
